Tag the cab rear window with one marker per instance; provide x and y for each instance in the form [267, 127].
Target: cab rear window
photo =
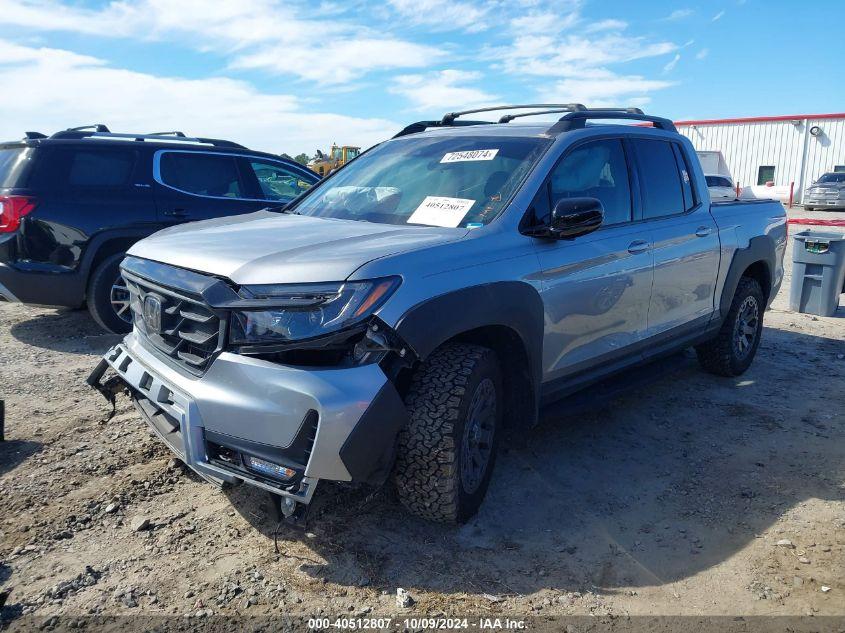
[15, 166]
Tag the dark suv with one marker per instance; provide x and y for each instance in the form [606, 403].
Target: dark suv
[71, 205]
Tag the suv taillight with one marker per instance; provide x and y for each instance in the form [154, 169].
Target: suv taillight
[12, 209]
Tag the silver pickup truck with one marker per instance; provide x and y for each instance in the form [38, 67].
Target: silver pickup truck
[394, 321]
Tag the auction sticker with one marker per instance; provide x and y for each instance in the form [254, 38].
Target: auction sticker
[439, 211]
[473, 154]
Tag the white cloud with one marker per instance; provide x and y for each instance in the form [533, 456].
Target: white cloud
[56, 89]
[339, 61]
[272, 35]
[575, 54]
[604, 90]
[337, 44]
[669, 67]
[718, 16]
[543, 22]
[606, 25]
[702, 54]
[444, 15]
[442, 90]
[679, 14]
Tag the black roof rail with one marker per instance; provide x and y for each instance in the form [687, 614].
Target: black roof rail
[34, 135]
[507, 118]
[76, 133]
[578, 120]
[421, 126]
[219, 142]
[576, 116]
[97, 127]
[449, 118]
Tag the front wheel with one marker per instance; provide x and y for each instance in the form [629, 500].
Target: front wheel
[108, 297]
[730, 353]
[446, 453]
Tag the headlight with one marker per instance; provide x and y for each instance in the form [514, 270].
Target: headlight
[304, 311]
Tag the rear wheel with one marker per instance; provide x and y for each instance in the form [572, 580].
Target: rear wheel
[446, 453]
[108, 297]
[730, 353]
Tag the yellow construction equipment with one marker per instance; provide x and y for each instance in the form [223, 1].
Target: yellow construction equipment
[338, 156]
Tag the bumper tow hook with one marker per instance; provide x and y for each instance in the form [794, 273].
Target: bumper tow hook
[108, 389]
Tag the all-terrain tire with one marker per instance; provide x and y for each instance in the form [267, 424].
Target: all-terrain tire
[442, 402]
[724, 355]
[100, 295]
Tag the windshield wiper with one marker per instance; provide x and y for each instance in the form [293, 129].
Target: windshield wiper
[282, 208]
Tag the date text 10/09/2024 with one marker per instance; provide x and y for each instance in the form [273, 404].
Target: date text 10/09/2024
[363, 624]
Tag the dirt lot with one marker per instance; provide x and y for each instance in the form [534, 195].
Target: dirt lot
[667, 495]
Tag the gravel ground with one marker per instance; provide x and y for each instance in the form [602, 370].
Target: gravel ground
[672, 492]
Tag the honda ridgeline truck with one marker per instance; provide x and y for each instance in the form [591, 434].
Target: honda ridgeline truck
[393, 321]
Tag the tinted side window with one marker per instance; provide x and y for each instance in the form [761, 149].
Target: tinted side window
[14, 164]
[202, 174]
[659, 178]
[596, 170]
[100, 168]
[690, 199]
[277, 182]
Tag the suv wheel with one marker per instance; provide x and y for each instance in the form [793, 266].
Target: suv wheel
[108, 298]
[446, 453]
[733, 349]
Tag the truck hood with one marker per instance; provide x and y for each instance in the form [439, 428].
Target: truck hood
[273, 248]
[827, 185]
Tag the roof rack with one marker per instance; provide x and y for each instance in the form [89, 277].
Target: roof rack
[97, 127]
[173, 133]
[575, 117]
[33, 135]
[578, 120]
[83, 132]
[449, 118]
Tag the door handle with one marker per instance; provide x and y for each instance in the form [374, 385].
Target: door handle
[176, 213]
[703, 231]
[638, 246]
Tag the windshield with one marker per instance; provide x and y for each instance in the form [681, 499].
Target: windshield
[832, 178]
[453, 181]
[718, 181]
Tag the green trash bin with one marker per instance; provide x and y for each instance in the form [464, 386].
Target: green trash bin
[818, 272]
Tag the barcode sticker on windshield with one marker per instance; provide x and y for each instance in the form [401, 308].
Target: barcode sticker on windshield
[438, 211]
[473, 154]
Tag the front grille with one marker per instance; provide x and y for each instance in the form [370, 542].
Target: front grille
[189, 332]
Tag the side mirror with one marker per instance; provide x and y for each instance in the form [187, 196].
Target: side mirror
[573, 217]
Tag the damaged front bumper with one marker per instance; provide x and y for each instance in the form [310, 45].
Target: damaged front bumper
[337, 424]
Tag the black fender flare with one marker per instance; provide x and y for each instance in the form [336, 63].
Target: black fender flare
[102, 239]
[513, 304]
[759, 249]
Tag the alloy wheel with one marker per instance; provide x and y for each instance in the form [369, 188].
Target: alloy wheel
[479, 429]
[119, 297]
[746, 326]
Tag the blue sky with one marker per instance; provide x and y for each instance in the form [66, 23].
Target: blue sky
[291, 75]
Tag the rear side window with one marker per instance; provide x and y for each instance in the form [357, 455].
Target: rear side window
[278, 182]
[660, 179]
[690, 199]
[595, 170]
[103, 168]
[14, 166]
[718, 181]
[213, 175]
